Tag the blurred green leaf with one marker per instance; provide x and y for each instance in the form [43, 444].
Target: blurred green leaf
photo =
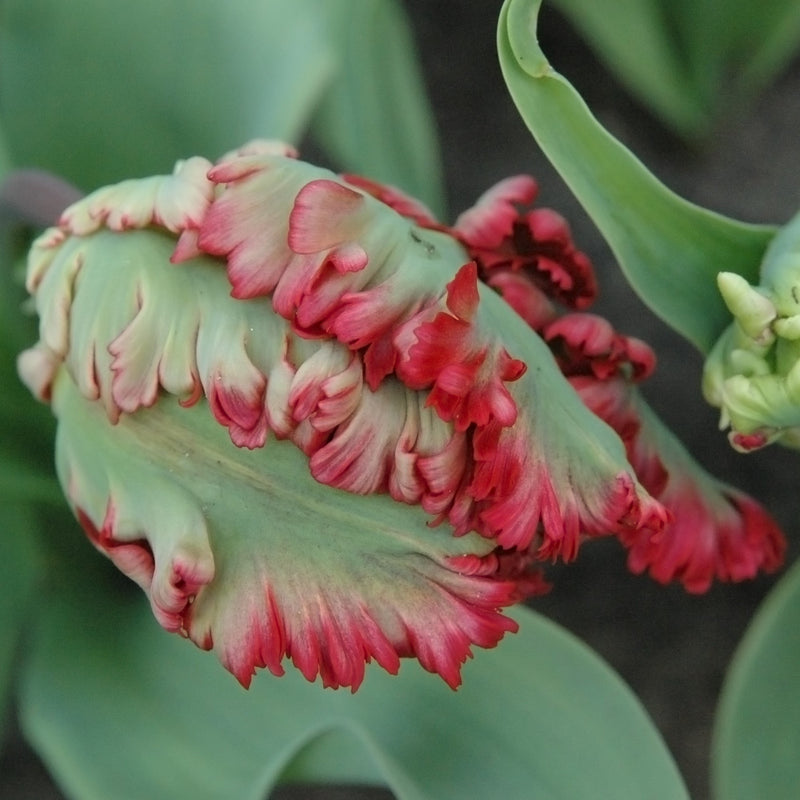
[26, 426]
[632, 39]
[118, 708]
[5, 158]
[669, 249]
[98, 92]
[20, 565]
[692, 62]
[757, 735]
[376, 114]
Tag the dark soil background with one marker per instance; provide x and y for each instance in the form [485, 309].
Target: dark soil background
[670, 647]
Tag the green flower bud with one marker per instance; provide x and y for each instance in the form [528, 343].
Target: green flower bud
[753, 372]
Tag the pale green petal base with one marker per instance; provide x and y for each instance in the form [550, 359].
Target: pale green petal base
[283, 564]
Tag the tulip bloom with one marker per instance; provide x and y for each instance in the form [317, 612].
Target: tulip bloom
[314, 423]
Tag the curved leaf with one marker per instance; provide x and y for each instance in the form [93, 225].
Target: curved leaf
[669, 249]
[757, 737]
[661, 50]
[118, 708]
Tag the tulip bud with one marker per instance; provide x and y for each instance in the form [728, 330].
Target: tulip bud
[753, 372]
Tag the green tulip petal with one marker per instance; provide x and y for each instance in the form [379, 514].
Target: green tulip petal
[117, 708]
[756, 735]
[669, 249]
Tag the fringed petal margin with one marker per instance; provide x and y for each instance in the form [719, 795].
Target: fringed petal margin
[716, 533]
[357, 582]
[367, 341]
[411, 304]
[500, 236]
[175, 202]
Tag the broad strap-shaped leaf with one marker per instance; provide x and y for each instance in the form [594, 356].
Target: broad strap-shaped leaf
[669, 249]
[20, 570]
[162, 74]
[632, 38]
[119, 709]
[756, 736]
[376, 117]
[663, 52]
[84, 88]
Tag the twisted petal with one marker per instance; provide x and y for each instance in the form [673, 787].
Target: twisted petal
[500, 236]
[211, 533]
[586, 344]
[716, 531]
[348, 267]
[367, 343]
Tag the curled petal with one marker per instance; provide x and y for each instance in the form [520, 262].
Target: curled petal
[586, 344]
[490, 222]
[210, 533]
[37, 367]
[716, 532]
[366, 344]
[336, 261]
[413, 307]
[396, 199]
[447, 352]
[499, 235]
[524, 296]
[523, 500]
[176, 202]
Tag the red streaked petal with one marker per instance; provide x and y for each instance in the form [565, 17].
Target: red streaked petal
[586, 344]
[500, 235]
[325, 215]
[233, 552]
[396, 199]
[716, 532]
[491, 219]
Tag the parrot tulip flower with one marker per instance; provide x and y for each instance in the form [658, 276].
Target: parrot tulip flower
[315, 424]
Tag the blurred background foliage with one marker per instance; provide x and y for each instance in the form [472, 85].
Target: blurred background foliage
[694, 63]
[96, 92]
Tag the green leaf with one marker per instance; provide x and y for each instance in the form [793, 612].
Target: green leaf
[669, 249]
[662, 51]
[118, 708]
[376, 115]
[631, 37]
[19, 569]
[762, 52]
[756, 735]
[99, 91]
